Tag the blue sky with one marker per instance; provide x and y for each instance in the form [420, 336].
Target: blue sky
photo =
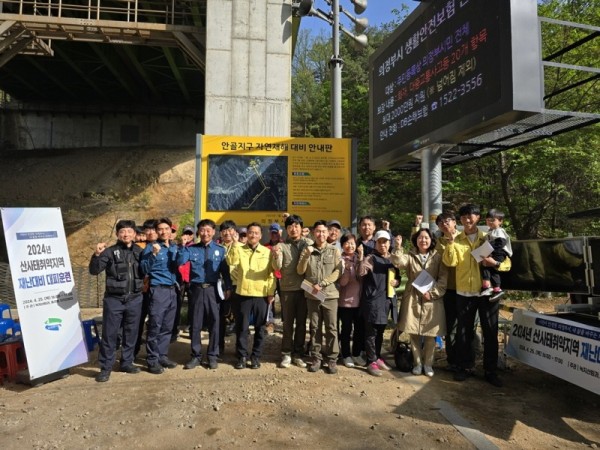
[378, 12]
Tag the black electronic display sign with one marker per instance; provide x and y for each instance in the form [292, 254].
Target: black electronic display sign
[447, 75]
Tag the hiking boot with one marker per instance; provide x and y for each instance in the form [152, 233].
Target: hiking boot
[103, 376]
[167, 363]
[241, 363]
[299, 362]
[130, 368]
[315, 365]
[373, 369]
[493, 379]
[417, 370]
[382, 364]
[349, 362]
[255, 364]
[332, 366]
[213, 364]
[286, 361]
[192, 363]
[155, 368]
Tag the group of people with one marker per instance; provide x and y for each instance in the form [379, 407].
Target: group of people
[345, 285]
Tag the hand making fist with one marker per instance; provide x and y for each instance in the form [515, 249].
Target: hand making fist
[100, 246]
[398, 241]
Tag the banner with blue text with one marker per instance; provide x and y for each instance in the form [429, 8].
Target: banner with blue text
[566, 349]
[44, 289]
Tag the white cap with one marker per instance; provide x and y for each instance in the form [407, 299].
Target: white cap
[382, 234]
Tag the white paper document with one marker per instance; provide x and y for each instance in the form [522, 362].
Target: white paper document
[309, 288]
[483, 251]
[424, 282]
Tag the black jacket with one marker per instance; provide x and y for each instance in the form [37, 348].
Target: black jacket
[375, 305]
[122, 265]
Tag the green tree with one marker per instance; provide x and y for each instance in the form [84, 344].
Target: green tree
[541, 183]
[382, 194]
[537, 185]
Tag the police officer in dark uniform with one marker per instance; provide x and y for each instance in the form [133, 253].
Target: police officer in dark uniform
[207, 266]
[122, 304]
[159, 261]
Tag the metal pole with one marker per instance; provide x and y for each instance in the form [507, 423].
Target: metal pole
[431, 182]
[435, 184]
[425, 194]
[336, 64]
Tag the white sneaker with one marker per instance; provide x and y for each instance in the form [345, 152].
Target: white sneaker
[286, 361]
[428, 371]
[348, 362]
[359, 361]
[417, 370]
[299, 362]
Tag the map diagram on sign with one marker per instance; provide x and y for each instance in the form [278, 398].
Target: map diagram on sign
[253, 183]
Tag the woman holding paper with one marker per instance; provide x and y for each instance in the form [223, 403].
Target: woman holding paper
[422, 310]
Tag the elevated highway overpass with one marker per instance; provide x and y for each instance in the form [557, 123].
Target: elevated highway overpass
[137, 68]
[100, 55]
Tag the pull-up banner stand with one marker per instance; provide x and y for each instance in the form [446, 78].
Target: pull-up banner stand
[44, 289]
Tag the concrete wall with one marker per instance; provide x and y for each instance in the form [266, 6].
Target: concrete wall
[248, 67]
[20, 130]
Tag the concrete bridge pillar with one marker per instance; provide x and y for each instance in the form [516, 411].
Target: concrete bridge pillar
[248, 67]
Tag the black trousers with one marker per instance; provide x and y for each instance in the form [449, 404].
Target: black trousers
[451, 324]
[225, 312]
[142, 323]
[204, 311]
[243, 308]
[183, 291]
[120, 317]
[373, 340]
[467, 308]
[352, 324]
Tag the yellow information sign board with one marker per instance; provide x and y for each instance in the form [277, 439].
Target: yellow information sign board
[257, 179]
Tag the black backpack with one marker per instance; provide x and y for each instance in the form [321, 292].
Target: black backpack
[403, 357]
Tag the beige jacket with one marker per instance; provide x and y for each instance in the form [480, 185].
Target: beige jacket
[417, 316]
[287, 263]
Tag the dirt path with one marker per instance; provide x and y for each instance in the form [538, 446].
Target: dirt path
[272, 407]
